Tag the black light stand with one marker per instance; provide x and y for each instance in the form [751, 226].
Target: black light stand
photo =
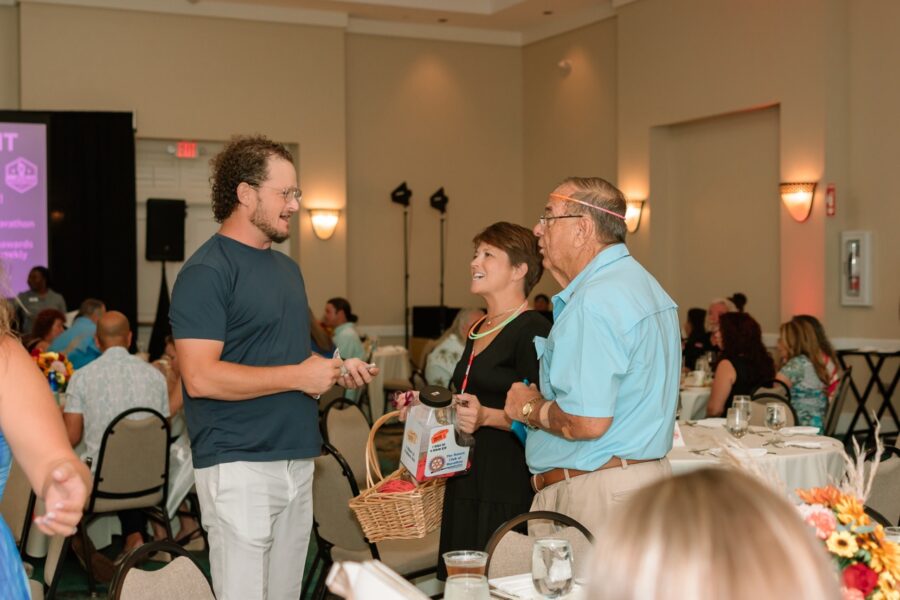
[401, 195]
[439, 202]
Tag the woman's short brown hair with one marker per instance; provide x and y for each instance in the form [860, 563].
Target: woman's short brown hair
[520, 244]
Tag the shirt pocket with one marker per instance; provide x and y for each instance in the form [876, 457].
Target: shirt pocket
[544, 349]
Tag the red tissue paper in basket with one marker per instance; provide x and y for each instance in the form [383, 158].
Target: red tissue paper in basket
[396, 486]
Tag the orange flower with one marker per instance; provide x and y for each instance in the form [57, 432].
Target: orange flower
[850, 510]
[826, 496]
[885, 556]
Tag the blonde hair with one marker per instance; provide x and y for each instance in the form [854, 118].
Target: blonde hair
[800, 338]
[710, 534]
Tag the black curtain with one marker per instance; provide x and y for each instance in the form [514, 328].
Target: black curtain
[91, 206]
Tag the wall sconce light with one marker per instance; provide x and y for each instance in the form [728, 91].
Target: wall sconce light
[324, 222]
[633, 211]
[798, 199]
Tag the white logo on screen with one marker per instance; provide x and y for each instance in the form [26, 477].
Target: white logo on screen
[21, 175]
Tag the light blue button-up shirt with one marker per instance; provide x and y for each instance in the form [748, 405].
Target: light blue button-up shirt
[614, 351]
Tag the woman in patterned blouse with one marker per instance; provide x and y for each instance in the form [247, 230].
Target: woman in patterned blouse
[804, 371]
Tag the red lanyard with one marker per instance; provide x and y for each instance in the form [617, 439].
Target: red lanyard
[465, 382]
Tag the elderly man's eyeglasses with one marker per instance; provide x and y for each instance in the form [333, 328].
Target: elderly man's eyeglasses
[287, 194]
[545, 220]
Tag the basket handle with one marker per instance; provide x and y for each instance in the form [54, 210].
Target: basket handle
[371, 455]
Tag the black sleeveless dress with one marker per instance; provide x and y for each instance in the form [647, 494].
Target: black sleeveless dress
[498, 486]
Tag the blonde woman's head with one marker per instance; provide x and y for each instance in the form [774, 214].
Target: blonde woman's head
[799, 338]
[707, 535]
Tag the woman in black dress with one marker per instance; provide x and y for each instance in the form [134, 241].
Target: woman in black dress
[499, 351]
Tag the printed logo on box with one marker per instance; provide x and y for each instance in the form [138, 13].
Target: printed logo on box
[21, 175]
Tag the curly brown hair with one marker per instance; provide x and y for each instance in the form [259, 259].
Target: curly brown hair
[244, 159]
[520, 244]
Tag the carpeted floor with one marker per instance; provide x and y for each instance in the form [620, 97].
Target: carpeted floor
[73, 583]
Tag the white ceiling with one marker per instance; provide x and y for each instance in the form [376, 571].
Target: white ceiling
[505, 22]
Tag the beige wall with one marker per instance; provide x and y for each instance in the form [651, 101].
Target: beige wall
[9, 57]
[720, 205]
[570, 118]
[204, 78]
[433, 114]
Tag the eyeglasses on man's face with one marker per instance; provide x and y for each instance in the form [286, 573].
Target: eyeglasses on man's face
[287, 194]
[546, 219]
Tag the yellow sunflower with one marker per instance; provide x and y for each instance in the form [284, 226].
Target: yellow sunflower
[842, 543]
[885, 559]
[850, 510]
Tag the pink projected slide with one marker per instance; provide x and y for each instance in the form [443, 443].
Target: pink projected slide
[23, 200]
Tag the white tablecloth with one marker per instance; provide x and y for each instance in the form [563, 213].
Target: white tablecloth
[693, 403]
[393, 363]
[794, 467]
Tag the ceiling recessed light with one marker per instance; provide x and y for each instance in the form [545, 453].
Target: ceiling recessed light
[547, 13]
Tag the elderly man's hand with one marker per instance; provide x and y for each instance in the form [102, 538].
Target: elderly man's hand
[516, 398]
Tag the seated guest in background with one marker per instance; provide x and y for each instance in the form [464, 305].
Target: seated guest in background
[38, 297]
[48, 325]
[543, 306]
[739, 300]
[340, 318]
[708, 535]
[829, 356]
[319, 339]
[804, 371]
[717, 308]
[696, 342]
[78, 342]
[441, 361]
[745, 363]
[104, 389]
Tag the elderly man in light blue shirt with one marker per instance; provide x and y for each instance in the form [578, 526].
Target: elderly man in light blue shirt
[603, 419]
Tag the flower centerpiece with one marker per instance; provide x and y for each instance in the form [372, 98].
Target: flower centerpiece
[55, 367]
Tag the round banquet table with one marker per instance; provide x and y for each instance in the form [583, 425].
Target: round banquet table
[793, 467]
[693, 402]
[393, 364]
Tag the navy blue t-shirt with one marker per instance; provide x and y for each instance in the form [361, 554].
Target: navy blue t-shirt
[255, 302]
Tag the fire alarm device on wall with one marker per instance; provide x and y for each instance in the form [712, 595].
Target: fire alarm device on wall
[830, 200]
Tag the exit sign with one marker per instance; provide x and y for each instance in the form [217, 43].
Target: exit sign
[186, 150]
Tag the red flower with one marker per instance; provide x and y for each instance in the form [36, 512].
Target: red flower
[860, 577]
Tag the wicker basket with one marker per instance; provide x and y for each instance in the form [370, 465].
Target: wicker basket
[398, 516]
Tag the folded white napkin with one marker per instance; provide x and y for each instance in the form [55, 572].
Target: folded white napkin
[800, 430]
[369, 580]
[712, 423]
[741, 452]
[807, 445]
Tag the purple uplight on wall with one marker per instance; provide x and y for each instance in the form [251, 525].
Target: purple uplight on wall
[23, 201]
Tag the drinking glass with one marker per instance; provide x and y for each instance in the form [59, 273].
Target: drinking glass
[743, 403]
[466, 587]
[776, 418]
[465, 562]
[737, 422]
[892, 534]
[551, 567]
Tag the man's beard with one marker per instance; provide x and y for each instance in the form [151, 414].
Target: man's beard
[259, 220]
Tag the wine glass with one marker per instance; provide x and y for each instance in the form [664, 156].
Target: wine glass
[737, 422]
[743, 403]
[776, 418]
[466, 587]
[892, 534]
[551, 567]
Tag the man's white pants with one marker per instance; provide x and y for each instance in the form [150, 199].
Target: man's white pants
[258, 516]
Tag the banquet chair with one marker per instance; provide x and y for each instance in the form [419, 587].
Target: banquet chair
[509, 552]
[57, 550]
[132, 472]
[181, 579]
[345, 427]
[836, 403]
[338, 534]
[876, 516]
[330, 396]
[17, 505]
[885, 494]
[775, 387]
[758, 410]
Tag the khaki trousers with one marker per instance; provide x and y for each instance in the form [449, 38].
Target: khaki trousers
[590, 498]
[258, 516]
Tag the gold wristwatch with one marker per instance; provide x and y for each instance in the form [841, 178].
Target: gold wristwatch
[527, 409]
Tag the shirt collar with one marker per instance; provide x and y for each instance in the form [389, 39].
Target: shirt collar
[605, 257]
[117, 352]
[342, 327]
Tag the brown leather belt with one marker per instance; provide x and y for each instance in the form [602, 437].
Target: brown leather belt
[547, 478]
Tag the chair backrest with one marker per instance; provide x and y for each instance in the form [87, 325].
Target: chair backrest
[885, 494]
[334, 393]
[836, 402]
[345, 427]
[758, 410]
[15, 504]
[133, 463]
[509, 552]
[181, 579]
[774, 386]
[333, 486]
[53, 565]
